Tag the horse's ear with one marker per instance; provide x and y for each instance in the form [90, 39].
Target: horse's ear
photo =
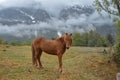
[71, 34]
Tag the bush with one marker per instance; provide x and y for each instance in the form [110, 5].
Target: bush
[1, 40]
[116, 55]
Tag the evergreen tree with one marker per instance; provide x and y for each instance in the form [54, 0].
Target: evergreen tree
[90, 39]
[76, 39]
[110, 39]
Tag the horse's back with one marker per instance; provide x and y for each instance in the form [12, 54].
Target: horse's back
[37, 40]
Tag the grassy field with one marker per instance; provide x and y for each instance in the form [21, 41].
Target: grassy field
[79, 63]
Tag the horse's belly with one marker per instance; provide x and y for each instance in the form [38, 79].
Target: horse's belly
[53, 52]
[49, 47]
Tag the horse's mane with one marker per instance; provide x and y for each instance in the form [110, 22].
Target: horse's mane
[60, 39]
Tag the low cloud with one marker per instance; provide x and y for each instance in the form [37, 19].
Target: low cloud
[71, 25]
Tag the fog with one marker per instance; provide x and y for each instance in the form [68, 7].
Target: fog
[81, 24]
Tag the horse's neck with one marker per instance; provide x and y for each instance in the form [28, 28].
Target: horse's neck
[62, 42]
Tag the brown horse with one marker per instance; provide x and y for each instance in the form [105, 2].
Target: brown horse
[54, 47]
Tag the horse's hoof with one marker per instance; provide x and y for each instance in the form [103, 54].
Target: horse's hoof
[35, 65]
[39, 67]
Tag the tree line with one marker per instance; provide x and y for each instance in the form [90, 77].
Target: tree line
[92, 39]
[15, 43]
[89, 39]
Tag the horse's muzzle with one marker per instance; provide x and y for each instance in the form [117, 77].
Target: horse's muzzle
[67, 47]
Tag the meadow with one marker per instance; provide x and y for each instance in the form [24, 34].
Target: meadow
[79, 63]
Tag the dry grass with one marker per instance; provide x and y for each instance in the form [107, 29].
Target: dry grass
[79, 63]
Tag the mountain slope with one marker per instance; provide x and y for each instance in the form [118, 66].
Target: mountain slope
[12, 16]
[76, 11]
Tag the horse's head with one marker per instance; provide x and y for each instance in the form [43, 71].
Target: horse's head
[68, 40]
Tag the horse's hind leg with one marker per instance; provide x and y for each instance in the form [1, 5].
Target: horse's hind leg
[33, 55]
[38, 58]
[35, 58]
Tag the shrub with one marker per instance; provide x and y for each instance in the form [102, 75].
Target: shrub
[116, 54]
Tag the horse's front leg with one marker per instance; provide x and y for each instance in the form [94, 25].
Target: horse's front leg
[60, 62]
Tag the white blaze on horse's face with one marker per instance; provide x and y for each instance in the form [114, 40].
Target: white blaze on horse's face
[68, 40]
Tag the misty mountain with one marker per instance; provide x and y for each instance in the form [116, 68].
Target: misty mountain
[14, 15]
[26, 23]
[76, 11]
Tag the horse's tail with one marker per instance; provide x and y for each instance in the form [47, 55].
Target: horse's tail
[33, 54]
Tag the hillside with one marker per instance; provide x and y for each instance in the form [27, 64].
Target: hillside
[14, 15]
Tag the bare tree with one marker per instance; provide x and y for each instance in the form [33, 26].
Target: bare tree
[109, 6]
